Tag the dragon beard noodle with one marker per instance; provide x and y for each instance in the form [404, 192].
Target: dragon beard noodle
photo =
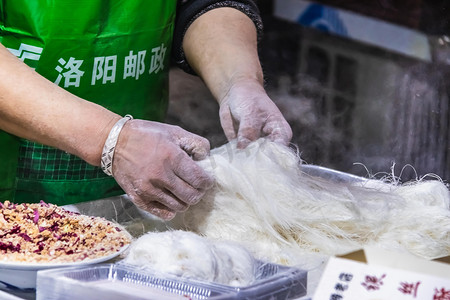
[263, 200]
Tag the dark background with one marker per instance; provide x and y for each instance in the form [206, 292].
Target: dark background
[353, 107]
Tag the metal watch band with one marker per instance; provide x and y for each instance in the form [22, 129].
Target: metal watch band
[110, 145]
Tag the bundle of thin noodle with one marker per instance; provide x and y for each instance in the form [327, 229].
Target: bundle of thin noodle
[191, 256]
[263, 200]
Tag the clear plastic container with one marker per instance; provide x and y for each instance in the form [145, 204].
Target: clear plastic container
[118, 281]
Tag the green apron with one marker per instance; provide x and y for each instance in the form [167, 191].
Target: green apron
[114, 53]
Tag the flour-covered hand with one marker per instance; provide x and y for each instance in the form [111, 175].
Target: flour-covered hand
[155, 165]
[247, 113]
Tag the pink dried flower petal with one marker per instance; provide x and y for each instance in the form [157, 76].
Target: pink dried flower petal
[44, 203]
[36, 216]
[25, 236]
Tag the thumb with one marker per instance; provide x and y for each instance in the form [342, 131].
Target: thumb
[194, 145]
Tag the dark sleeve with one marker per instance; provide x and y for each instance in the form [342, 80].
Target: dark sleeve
[189, 10]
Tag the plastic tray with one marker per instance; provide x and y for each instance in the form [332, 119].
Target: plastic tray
[118, 281]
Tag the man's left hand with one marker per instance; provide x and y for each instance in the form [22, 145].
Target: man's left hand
[247, 113]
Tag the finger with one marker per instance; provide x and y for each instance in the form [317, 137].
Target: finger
[227, 123]
[249, 131]
[278, 131]
[185, 192]
[196, 146]
[191, 173]
[159, 210]
[162, 196]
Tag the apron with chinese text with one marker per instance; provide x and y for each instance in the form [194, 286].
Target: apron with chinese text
[114, 53]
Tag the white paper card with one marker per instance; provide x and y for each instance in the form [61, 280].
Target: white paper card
[347, 279]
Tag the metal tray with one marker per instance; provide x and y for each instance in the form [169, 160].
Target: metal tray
[331, 174]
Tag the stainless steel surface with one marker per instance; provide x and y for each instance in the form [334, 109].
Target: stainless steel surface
[331, 174]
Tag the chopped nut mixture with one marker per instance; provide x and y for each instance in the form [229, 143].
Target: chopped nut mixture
[42, 233]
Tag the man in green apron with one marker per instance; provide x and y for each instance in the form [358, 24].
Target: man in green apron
[70, 71]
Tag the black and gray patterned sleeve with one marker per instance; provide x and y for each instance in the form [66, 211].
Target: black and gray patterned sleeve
[189, 10]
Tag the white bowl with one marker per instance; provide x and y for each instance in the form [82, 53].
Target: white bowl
[22, 275]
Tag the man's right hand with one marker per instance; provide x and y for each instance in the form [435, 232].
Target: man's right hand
[155, 165]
